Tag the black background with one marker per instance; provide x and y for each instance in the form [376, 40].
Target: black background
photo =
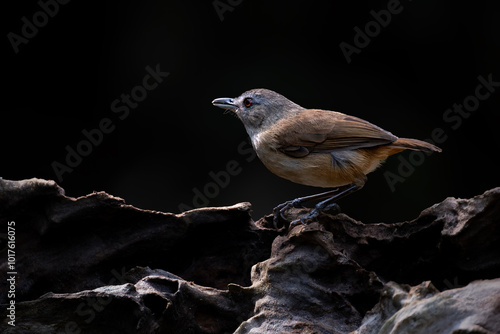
[66, 77]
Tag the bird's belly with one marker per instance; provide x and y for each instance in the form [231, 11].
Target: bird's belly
[316, 169]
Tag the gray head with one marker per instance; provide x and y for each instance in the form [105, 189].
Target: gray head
[258, 109]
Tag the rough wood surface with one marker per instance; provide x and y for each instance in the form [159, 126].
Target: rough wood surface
[94, 264]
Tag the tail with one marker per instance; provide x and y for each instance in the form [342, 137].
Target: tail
[414, 144]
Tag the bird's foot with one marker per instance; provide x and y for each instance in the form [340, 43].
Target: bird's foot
[314, 213]
[333, 208]
[280, 210]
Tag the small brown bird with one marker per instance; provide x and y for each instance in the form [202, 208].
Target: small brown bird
[314, 147]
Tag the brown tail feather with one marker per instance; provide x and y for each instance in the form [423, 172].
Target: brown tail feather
[414, 144]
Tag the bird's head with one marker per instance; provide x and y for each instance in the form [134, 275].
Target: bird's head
[259, 109]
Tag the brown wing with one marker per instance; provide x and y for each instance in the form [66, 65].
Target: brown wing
[321, 131]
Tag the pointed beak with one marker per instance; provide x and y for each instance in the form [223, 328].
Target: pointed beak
[225, 103]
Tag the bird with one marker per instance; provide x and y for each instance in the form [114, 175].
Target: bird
[314, 147]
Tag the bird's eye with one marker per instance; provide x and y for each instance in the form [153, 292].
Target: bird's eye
[248, 102]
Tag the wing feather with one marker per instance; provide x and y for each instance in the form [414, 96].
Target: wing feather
[322, 131]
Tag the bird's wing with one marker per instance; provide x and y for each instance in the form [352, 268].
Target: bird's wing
[321, 131]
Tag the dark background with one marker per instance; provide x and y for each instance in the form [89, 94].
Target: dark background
[65, 78]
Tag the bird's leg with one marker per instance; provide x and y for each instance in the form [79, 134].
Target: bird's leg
[297, 203]
[327, 204]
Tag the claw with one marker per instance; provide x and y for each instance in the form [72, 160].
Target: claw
[332, 207]
[311, 215]
[314, 213]
[296, 222]
[280, 210]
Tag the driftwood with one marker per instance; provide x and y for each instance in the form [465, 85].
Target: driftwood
[94, 264]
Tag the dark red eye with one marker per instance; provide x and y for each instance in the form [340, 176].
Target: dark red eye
[248, 102]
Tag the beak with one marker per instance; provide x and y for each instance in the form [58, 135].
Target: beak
[225, 103]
